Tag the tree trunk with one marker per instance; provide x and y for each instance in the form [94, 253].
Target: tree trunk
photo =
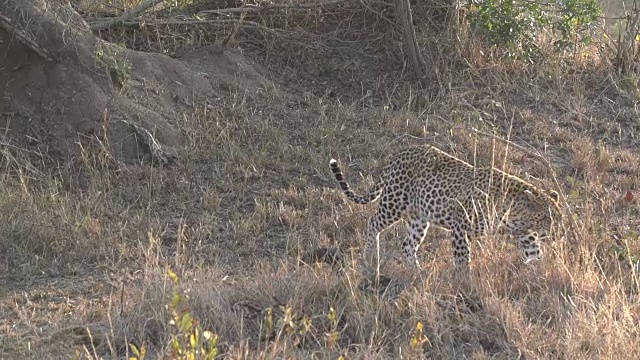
[403, 13]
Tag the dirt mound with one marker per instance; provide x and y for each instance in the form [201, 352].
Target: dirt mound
[88, 87]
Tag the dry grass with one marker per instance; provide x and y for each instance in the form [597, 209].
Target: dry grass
[87, 246]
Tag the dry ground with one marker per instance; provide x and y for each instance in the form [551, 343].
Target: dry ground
[240, 216]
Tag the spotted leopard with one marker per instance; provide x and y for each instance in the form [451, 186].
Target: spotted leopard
[423, 185]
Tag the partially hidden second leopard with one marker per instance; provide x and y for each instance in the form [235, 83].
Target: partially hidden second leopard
[425, 186]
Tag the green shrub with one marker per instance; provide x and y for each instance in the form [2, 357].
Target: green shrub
[517, 27]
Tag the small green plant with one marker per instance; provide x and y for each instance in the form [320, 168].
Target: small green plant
[138, 353]
[294, 329]
[119, 69]
[333, 335]
[120, 73]
[188, 340]
[625, 256]
[575, 186]
[418, 339]
[292, 326]
[516, 27]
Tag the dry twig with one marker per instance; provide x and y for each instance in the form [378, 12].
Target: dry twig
[106, 22]
[22, 37]
[233, 32]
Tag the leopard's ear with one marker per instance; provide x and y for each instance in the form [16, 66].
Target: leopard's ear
[554, 195]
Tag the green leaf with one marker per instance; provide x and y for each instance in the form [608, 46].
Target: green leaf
[175, 344]
[193, 340]
[173, 275]
[186, 323]
[135, 350]
[175, 300]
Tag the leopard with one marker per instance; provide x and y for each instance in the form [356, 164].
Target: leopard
[423, 186]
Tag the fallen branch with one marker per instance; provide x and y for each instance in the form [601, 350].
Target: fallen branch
[258, 9]
[107, 22]
[22, 37]
[157, 151]
[244, 23]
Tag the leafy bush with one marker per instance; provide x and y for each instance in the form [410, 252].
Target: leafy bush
[516, 27]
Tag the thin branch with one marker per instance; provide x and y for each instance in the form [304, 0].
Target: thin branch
[244, 23]
[257, 9]
[366, 6]
[22, 37]
[8, 145]
[107, 22]
[232, 33]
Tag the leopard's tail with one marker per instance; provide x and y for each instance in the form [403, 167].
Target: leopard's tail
[373, 195]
